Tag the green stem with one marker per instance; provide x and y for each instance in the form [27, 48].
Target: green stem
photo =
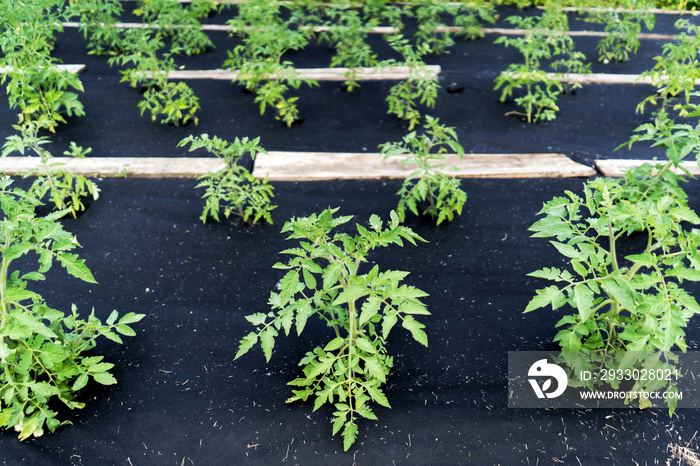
[613, 253]
[3, 291]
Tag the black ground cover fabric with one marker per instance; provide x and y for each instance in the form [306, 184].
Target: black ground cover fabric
[591, 123]
[181, 396]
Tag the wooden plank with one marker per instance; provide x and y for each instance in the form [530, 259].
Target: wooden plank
[656, 11]
[227, 28]
[604, 78]
[145, 167]
[307, 166]
[521, 32]
[616, 167]
[75, 69]
[319, 74]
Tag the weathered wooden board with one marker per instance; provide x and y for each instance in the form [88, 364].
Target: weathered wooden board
[299, 166]
[319, 74]
[225, 27]
[144, 167]
[520, 32]
[616, 167]
[604, 78]
[307, 166]
[75, 69]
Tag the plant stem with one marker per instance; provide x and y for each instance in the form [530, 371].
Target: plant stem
[613, 253]
[3, 291]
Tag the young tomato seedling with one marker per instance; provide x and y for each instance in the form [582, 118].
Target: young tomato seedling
[41, 348]
[323, 279]
[428, 188]
[66, 190]
[233, 186]
[420, 85]
[631, 303]
[544, 39]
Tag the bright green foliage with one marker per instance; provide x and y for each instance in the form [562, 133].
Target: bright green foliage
[233, 187]
[66, 190]
[323, 279]
[676, 70]
[98, 23]
[41, 348]
[623, 27]
[348, 34]
[433, 28]
[662, 179]
[544, 39]
[428, 184]
[630, 303]
[421, 86]
[176, 23]
[35, 86]
[171, 102]
[202, 8]
[266, 38]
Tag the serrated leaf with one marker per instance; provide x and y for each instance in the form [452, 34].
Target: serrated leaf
[43, 389]
[583, 297]
[566, 250]
[331, 274]
[375, 369]
[349, 435]
[309, 279]
[76, 267]
[369, 309]
[256, 319]
[131, 318]
[388, 323]
[33, 324]
[546, 296]
[304, 311]
[416, 329]
[334, 344]
[112, 318]
[125, 330]
[621, 291]
[80, 382]
[365, 345]
[377, 396]
[267, 341]
[683, 273]
[246, 343]
[104, 378]
[351, 293]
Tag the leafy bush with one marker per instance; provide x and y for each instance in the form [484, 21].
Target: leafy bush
[41, 348]
[623, 27]
[233, 186]
[176, 23]
[676, 70]
[428, 184]
[98, 22]
[66, 190]
[348, 34]
[544, 39]
[433, 28]
[323, 279]
[420, 86]
[34, 84]
[173, 103]
[266, 38]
